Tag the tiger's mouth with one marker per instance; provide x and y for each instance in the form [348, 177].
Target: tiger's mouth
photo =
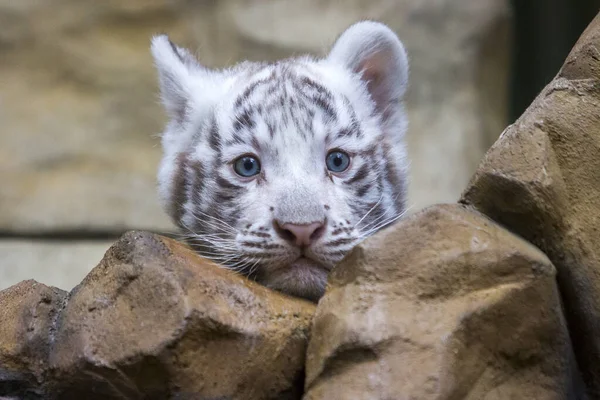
[308, 263]
[303, 277]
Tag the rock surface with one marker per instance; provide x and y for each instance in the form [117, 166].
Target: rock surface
[28, 313]
[79, 110]
[542, 181]
[444, 305]
[153, 320]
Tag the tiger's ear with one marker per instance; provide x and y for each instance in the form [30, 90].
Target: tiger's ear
[176, 68]
[373, 50]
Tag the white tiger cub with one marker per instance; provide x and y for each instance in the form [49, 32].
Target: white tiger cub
[277, 170]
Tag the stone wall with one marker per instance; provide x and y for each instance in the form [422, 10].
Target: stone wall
[78, 145]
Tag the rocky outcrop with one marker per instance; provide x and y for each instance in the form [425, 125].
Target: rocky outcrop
[444, 305]
[541, 180]
[154, 321]
[28, 314]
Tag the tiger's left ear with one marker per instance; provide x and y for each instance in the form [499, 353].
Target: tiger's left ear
[373, 50]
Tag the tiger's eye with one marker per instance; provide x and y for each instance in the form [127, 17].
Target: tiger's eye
[246, 166]
[337, 161]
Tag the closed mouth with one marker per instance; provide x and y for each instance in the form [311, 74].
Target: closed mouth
[305, 262]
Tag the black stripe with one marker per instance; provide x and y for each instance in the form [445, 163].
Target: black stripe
[214, 140]
[338, 231]
[377, 215]
[391, 174]
[246, 119]
[225, 184]
[297, 124]
[180, 184]
[324, 104]
[176, 51]
[339, 242]
[197, 185]
[224, 196]
[246, 94]
[362, 173]
[361, 191]
[259, 234]
[369, 152]
[234, 215]
[236, 139]
[316, 86]
[271, 129]
[355, 125]
[257, 245]
[271, 90]
[252, 87]
[344, 132]
[255, 144]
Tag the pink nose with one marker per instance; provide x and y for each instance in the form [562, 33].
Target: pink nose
[301, 235]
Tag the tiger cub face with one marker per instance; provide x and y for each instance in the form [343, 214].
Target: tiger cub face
[278, 170]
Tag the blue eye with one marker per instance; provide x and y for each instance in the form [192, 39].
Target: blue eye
[337, 161]
[246, 166]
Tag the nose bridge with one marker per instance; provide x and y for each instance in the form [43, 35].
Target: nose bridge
[299, 203]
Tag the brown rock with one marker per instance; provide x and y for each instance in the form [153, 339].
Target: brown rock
[154, 321]
[542, 181]
[28, 314]
[444, 305]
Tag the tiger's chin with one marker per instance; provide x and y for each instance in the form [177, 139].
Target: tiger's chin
[303, 278]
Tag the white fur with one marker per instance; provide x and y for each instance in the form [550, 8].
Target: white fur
[357, 88]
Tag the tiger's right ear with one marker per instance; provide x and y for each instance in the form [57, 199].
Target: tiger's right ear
[176, 68]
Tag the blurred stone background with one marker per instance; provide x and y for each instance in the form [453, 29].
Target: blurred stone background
[80, 118]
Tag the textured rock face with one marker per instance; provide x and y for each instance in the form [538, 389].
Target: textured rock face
[79, 109]
[154, 320]
[28, 312]
[541, 180]
[444, 305]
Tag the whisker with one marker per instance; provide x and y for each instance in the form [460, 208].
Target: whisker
[368, 212]
[213, 225]
[380, 225]
[375, 222]
[193, 213]
[220, 221]
[216, 239]
[217, 245]
[383, 214]
[253, 269]
[384, 223]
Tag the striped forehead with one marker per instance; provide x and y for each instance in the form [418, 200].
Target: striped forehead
[289, 100]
